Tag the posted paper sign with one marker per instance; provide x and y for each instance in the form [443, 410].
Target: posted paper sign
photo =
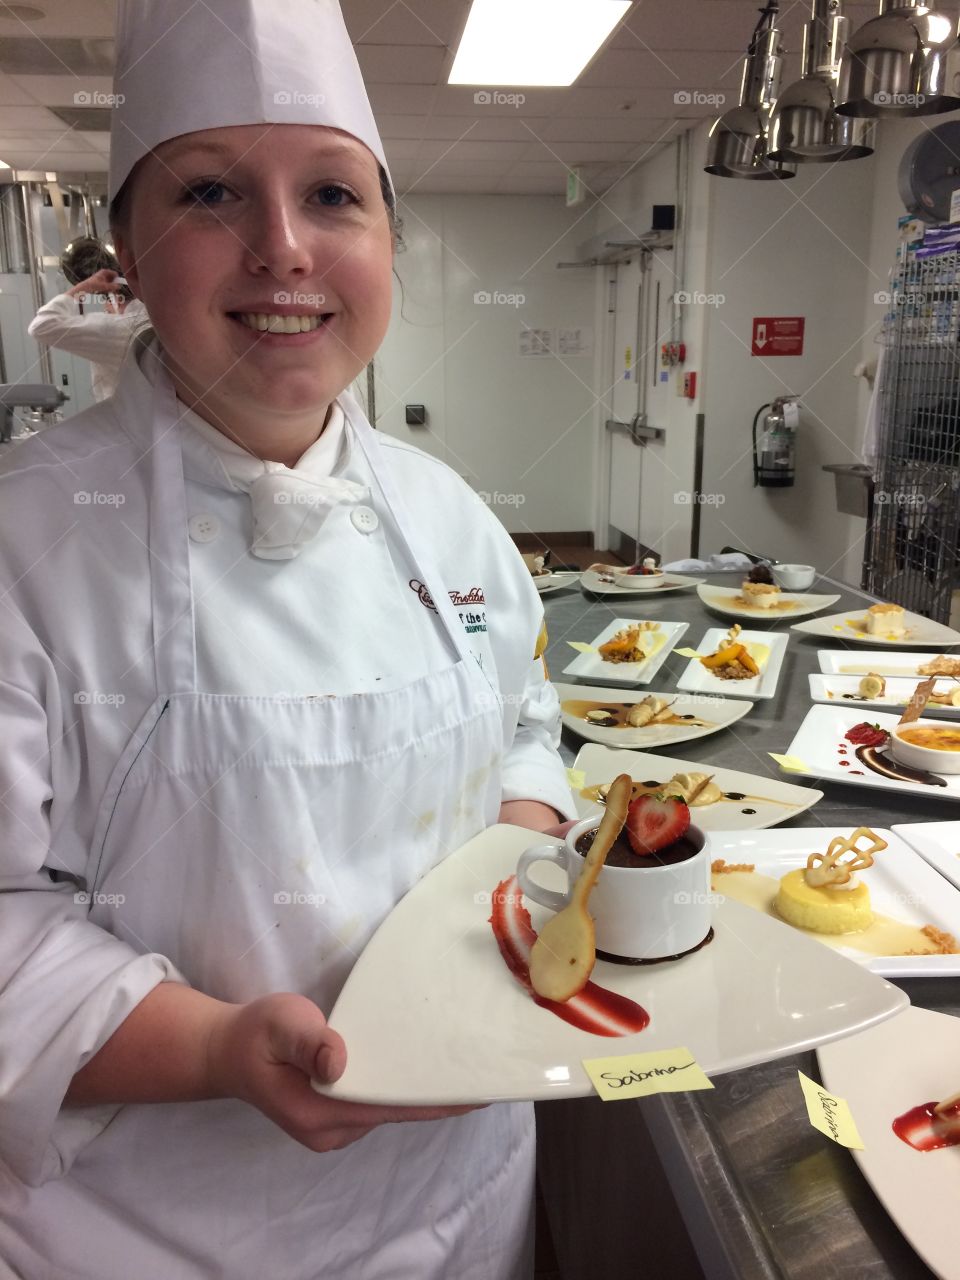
[634, 1075]
[829, 1114]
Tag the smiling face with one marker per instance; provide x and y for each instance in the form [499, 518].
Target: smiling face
[263, 254]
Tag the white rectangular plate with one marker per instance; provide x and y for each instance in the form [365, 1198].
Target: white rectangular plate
[431, 1013]
[884, 1072]
[920, 632]
[843, 662]
[937, 843]
[555, 581]
[823, 731]
[591, 580]
[718, 712]
[771, 800]
[590, 666]
[699, 679]
[793, 604]
[902, 887]
[900, 689]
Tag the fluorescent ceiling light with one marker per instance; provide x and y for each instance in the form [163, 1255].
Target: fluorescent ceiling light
[4, 165]
[532, 42]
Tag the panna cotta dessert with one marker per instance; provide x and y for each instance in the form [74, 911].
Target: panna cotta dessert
[825, 896]
[885, 620]
[760, 595]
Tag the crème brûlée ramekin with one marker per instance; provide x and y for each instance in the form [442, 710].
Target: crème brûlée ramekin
[927, 744]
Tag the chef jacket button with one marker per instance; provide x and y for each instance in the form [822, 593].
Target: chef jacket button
[364, 519]
[203, 528]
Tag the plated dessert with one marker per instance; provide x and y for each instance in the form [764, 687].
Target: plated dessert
[883, 626]
[619, 718]
[634, 643]
[735, 663]
[826, 893]
[627, 651]
[736, 660]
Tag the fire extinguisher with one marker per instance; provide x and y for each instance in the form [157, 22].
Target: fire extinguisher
[774, 451]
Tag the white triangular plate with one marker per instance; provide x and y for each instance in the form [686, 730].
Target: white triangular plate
[431, 1013]
[883, 1073]
[921, 632]
[764, 803]
[790, 604]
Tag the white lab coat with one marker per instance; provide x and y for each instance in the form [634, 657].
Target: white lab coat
[151, 829]
[95, 334]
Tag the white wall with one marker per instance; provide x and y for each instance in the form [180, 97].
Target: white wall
[667, 469]
[519, 428]
[794, 248]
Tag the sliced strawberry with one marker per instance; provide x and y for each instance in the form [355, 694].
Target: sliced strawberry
[654, 821]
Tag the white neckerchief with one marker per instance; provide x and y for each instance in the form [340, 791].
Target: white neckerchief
[289, 503]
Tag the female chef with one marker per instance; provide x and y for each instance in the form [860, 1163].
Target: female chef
[261, 669]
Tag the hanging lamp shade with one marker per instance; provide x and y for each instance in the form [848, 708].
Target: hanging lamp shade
[737, 143]
[905, 62]
[804, 125]
[737, 147]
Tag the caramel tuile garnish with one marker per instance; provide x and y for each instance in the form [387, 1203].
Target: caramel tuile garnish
[701, 786]
[826, 869]
[948, 1104]
[918, 701]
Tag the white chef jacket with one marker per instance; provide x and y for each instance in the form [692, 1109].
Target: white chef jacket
[100, 336]
[76, 675]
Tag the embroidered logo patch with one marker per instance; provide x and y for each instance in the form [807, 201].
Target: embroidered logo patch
[473, 618]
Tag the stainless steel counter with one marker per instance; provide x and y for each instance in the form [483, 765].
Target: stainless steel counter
[762, 1194]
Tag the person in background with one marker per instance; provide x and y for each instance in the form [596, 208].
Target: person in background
[96, 318]
[262, 669]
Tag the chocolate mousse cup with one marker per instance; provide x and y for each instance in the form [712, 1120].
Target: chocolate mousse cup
[646, 909]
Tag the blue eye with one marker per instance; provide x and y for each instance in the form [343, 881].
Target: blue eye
[205, 192]
[334, 196]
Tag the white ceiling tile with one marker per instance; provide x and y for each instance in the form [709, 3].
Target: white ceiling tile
[13, 94]
[416, 64]
[579, 153]
[20, 118]
[467, 150]
[402, 22]
[60, 91]
[403, 99]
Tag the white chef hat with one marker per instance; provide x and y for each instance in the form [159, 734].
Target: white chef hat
[182, 66]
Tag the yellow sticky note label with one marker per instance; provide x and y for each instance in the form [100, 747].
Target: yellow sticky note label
[829, 1114]
[581, 647]
[688, 653]
[576, 779]
[792, 763]
[634, 1075]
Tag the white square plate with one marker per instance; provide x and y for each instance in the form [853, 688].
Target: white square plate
[902, 888]
[937, 843]
[431, 1013]
[823, 731]
[790, 605]
[843, 662]
[591, 580]
[920, 632]
[699, 679]
[709, 716]
[883, 1073]
[765, 802]
[590, 666]
[842, 691]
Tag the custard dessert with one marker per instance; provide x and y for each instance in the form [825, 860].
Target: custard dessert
[885, 620]
[760, 595]
[824, 896]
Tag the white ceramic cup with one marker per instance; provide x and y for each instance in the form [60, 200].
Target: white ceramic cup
[794, 577]
[640, 913]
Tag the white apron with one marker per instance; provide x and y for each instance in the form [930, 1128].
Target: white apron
[257, 843]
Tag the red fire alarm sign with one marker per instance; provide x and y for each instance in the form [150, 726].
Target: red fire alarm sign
[777, 336]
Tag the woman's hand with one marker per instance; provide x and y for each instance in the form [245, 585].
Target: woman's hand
[103, 281]
[535, 815]
[266, 1054]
